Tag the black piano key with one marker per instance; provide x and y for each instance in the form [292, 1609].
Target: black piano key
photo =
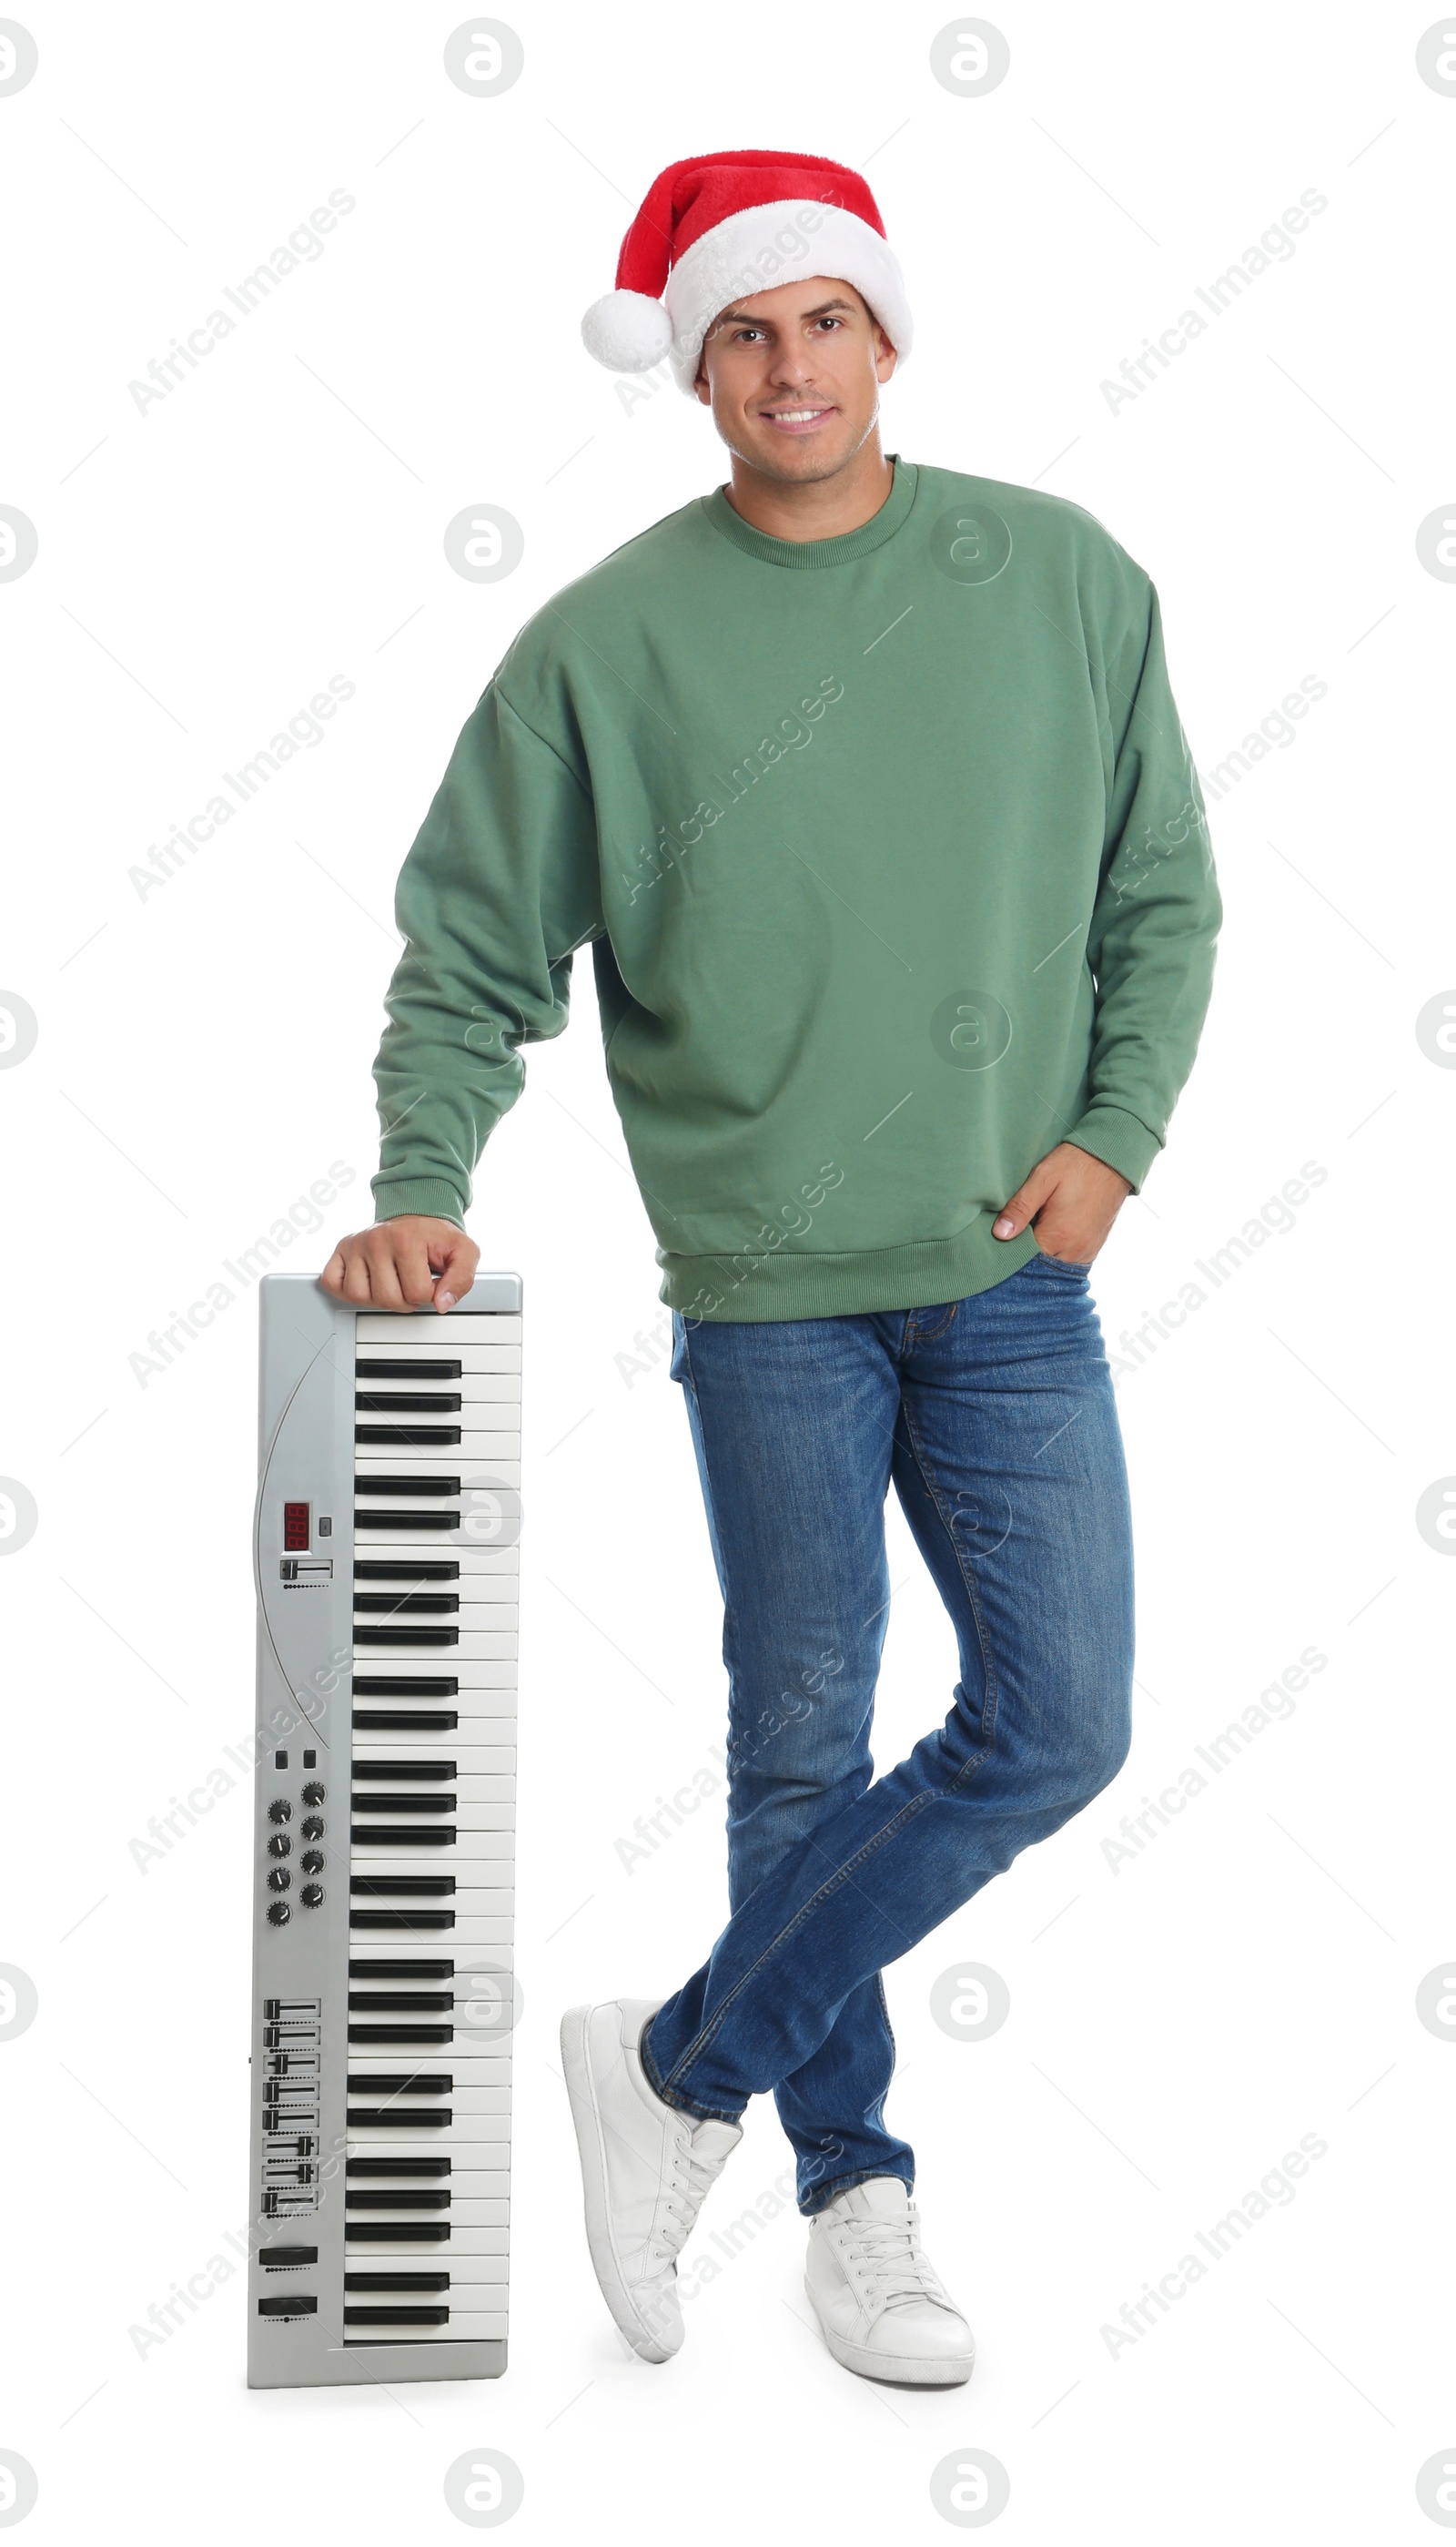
[398, 2232]
[375, 1720]
[396, 1520]
[403, 1835]
[403, 2198]
[384, 2282]
[397, 2169]
[401, 2002]
[405, 1402]
[395, 2316]
[365, 1967]
[372, 1369]
[382, 2035]
[404, 1803]
[401, 2082]
[415, 1637]
[410, 1436]
[381, 1770]
[424, 1888]
[421, 1920]
[412, 1485]
[407, 1605]
[399, 2118]
[405, 1685]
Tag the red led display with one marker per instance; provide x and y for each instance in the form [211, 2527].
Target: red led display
[294, 1528]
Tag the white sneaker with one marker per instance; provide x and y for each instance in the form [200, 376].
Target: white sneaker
[645, 2171]
[881, 2306]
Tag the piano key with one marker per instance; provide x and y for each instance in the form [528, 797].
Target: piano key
[424, 1473]
[479, 2255]
[427, 1926]
[490, 1852]
[482, 2068]
[475, 1352]
[440, 1448]
[415, 1639]
[496, 1611]
[395, 1768]
[412, 1393]
[486, 2215]
[406, 1602]
[433, 1332]
[467, 1564]
[373, 1368]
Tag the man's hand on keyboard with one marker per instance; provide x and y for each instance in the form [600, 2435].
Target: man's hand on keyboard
[403, 1264]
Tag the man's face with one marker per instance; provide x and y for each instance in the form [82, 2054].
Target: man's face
[793, 377]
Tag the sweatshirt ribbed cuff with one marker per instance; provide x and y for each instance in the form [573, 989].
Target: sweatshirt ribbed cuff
[1119, 1140]
[431, 1196]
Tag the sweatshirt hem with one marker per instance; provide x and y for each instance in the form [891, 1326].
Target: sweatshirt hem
[429, 1197]
[921, 1275]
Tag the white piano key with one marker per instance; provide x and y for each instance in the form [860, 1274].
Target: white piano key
[478, 2162]
[466, 2211]
[458, 1856]
[432, 1332]
[493, 1446]
[473, 1671]
[472, 1644]
[472, 1355]
[472, 1561]
[393, 1604]
[471, 1387]
[470, 1788]
[479, 1474]
[482, 2251]
[467, 1932]
[495, 1821]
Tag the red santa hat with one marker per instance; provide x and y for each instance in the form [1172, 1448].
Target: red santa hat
[714, 230]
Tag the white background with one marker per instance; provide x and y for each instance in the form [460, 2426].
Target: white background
[202, 1057]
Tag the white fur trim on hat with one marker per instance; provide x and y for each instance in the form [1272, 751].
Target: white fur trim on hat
[629, 331]
[771, 244]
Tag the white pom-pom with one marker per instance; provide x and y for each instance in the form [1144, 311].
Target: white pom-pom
[627, 332]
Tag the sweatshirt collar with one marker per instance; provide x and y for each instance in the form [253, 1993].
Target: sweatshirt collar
[804, 553]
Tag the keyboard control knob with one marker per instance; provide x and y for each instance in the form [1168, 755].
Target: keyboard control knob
[311, 1895]
[313, 1829]
[279, 1914]
[279, 1880]
[313, 1794]
[312, 1861]
[281, 1845]
[279, 1811]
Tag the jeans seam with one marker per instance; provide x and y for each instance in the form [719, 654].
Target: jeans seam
[968, 1578]
[847, 2183]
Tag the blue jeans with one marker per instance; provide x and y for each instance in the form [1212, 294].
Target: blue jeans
[994, 1417]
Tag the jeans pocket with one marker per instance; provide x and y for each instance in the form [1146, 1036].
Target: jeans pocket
[1063, 1263]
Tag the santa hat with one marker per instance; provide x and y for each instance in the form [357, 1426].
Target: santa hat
[714, 230]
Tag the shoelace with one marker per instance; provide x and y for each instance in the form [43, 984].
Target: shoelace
[899, 2269]
[683, 2204]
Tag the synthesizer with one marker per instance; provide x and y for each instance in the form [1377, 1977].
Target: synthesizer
[386, 1549]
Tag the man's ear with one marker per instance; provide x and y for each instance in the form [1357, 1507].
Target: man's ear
[702, 386]
[886, 356]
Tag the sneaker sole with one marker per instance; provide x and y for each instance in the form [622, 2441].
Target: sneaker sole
[587, 2120]
[946, 2370]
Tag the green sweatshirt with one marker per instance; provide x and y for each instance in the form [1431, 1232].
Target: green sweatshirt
[894, 864]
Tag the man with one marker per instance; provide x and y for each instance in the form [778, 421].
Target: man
[864, 782]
